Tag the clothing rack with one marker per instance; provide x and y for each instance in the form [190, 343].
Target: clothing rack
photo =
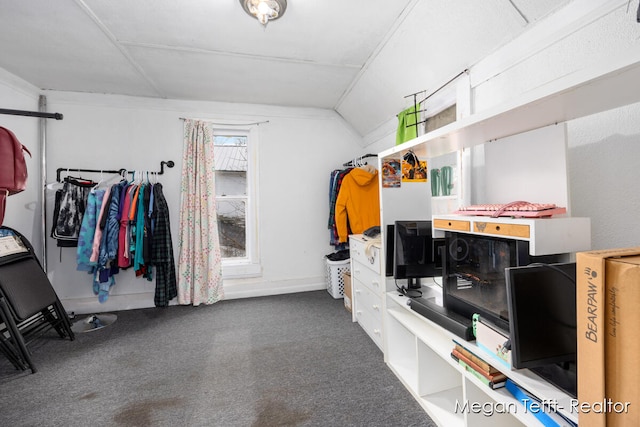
[169, 164]
[441, 87]
[42, 136]
[351, 162]
[39, 114]
[416, 103]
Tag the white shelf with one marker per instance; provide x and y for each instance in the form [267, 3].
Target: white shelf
[589, 91]
[367, 286]
[546, 236]
[439, 342]
[420, 355]
[416, 349]
[440, 404]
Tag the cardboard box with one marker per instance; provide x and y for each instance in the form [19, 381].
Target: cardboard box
[608, 310]
[346, 277]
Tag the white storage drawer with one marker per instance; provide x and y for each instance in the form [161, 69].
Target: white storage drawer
[358, 253]
[367, 277]
[368, 311]
[368, 287]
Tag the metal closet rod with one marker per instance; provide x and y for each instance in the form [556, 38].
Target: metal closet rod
[350, 162]
[169, 164]
[465, 71]
[57, 116]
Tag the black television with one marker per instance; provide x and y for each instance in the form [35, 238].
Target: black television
[416, 254]
[541, 300]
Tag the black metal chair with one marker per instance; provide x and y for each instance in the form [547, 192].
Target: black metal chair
[29, 306]
[7, 347]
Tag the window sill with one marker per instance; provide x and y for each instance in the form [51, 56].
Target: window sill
[240, 270]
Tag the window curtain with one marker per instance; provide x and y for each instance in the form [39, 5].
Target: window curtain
[200, 262]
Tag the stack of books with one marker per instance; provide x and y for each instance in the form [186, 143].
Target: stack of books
[482, 370]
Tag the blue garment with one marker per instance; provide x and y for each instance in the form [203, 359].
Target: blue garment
[138, 259]
[150, 214]
[88, 230]
[107, 267]
[113, 222]
[109, 244]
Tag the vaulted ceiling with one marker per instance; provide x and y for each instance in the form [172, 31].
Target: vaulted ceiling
[358, 57]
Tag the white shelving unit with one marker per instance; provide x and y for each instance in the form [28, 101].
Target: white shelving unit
[416, 349]
[580, 94]
[368, 290]
[546, 236]
[419, 353]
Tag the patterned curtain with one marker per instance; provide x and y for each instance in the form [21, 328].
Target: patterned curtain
[199, 263]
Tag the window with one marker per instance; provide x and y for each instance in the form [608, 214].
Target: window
[235, 171]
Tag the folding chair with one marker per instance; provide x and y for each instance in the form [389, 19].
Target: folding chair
[29, 306]
[6, 346]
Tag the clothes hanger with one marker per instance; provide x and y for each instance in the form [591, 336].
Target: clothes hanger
[103, 183]
[54, 185]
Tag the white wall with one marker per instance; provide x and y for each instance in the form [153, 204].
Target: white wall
[531, 166]
[603, 174]
[297, 150]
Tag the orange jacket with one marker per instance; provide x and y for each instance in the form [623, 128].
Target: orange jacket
[358, 202]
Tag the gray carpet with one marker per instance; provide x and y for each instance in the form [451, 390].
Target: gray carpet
[287, 360]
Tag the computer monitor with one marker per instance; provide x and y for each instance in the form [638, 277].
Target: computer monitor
[541, 301]
[416, 254]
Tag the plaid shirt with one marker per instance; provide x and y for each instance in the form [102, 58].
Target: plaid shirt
[162, 251]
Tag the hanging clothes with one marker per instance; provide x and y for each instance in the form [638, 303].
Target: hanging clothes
[147, 235]
[141, 238]
[121, 222]
[358, 202]
[88, 230]
[407, 124]
[162, 251]
[124, 254]
[97, 237]
[138, 259]
[335, 183]
[69, 207]
[106, 267]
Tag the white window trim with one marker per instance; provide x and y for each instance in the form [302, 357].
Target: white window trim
[248, 266]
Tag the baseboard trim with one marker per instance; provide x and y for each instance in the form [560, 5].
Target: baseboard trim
[232, 290]
[266, 289]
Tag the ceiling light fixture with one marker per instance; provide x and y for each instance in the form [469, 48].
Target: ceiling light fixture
[264, 10]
